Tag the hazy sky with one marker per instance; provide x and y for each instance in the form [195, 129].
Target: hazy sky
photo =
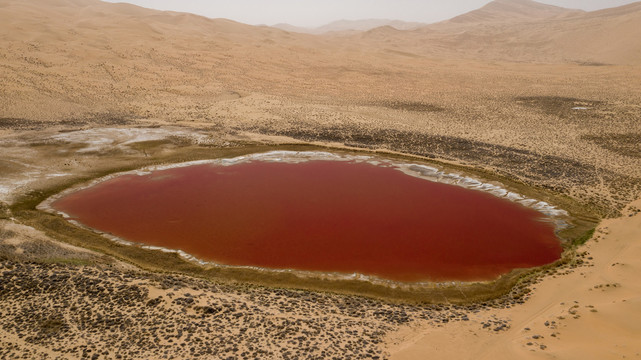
[320, 12]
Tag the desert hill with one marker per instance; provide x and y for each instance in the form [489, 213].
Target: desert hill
[27, 19]
[608, 36]
[292, 28]
[82, 55]
[525, 31]
[86, 54]
[351, 26]
[513, 11]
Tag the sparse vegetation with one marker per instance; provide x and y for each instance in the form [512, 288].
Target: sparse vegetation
[584, 238]
[628, 145]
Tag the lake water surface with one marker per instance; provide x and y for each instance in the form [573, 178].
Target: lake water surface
[320, 215]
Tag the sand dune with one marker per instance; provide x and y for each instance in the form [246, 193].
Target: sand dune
[526, 31]
[608, 36]
[513, 11]
[59, 16]
[342, 26]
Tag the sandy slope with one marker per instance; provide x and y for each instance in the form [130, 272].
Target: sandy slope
[344, 26]
[512, 11]
[528, 31]
[591, 312]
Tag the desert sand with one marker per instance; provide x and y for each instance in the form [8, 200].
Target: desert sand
[539, 99]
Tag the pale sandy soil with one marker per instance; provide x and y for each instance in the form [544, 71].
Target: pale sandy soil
[549, 101]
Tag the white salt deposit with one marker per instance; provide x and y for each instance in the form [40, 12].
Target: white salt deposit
[96, 140]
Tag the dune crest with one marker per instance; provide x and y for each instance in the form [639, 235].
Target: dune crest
[513, 11]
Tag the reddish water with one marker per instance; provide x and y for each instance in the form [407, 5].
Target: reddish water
[322, 216]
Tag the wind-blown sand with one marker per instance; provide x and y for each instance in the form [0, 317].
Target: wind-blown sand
[542, 99]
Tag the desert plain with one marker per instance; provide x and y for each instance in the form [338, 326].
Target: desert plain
[542, 100]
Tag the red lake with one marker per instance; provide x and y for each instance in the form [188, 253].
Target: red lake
[320, 215]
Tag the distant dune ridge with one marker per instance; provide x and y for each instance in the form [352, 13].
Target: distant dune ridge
[523, 30]
[509, 30]
[71, 52]
[351, 26]
[514, 11]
